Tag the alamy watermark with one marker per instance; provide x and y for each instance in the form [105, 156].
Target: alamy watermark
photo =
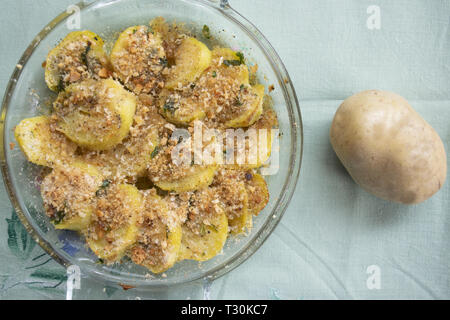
[74, 20]
[73, 280]
[209, 146]
[374, 19]
[373, 282]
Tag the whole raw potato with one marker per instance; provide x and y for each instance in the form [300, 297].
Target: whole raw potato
[388, 148]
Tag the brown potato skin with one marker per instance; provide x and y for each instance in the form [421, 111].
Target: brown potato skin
[388, 148]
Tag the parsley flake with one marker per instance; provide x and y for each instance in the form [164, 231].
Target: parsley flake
[206, 33]
[155, 152]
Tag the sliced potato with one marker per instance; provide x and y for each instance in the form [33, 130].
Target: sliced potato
[138, 58]
[259, 90]
[180, 109]
[206, 231]
[252, 111]
[159, 239]
[128, 159]
[267, 121]
[135, 154]
[230, 65]
[96, 115]
[41, 143]
[234, 195]
[174, 235]
[232, 192]
[191, 59]
[241, 224]
[79, 56]
[197, 178]
[68, 193]
[258, 193]
[261, 155]
[207, 244]
[113, 227]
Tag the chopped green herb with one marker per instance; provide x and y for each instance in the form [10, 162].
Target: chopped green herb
[155, 152]
[191, 203]
[202, 230]
[106, 183]
[163, 62]
[230, 63]
[134, 31]
[58, 217]
[170, 106]
[241, 87]
[61, 86]
[241, 57]
[100, 261]
[214, 228]
[214, 74]
[237, 102]
[84, 55]
[102, 190]
[206, 33]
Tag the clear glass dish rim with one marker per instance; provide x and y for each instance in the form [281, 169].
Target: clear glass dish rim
[296, 128]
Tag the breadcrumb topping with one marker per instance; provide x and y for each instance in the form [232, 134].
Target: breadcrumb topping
[142, 62]
[113, 210]
[67, 193]
[90, 98]
[151, 248]
[76, 62]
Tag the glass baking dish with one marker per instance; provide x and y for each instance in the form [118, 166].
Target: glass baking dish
[27, 93]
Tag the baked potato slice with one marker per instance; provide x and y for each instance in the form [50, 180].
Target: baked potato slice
[138, 59]
[258, 193]
[205, 232]
[240, 224]
[79, 56]
[268, 121]
[252, 109]
[231, 190]
[265, 137]
[207, 244]
[197, 178]
[174, 235]
[192, 57]
[262, 152]
[230, 64]
[128, 159]
[234, 195]
[68, 193]
[96, 115]
[159, 240]
[179, 109]
[41, 143]
[113, 227]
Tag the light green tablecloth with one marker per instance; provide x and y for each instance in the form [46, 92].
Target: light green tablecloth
[333, 234]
